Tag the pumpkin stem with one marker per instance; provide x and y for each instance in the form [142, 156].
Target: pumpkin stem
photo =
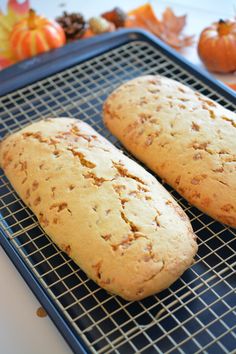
[31, 19]
[223, 28]
[221, 21]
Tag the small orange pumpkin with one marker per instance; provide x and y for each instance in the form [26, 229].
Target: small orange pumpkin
[34, 35]
[217, 46]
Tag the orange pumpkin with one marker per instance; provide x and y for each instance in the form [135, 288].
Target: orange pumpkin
[34, 35]
[217, 46]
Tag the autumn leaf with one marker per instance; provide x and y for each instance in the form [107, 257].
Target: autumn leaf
[5, 62]
[141, 16]
[169, 28]
[232, 86]
[15, 12]
[17, 9]
[172, 23]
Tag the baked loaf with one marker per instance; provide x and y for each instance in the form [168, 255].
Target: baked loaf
[104, 210]
[183, 136]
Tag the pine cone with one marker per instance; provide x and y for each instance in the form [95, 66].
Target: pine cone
[73, 24]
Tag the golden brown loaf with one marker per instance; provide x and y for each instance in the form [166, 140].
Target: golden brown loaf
[186, 138]
[104, 210]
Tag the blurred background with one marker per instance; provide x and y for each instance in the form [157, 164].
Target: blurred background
[200, 14]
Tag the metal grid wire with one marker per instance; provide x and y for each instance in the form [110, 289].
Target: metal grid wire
[197, 314]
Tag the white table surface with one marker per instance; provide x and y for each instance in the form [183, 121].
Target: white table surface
[21, 330]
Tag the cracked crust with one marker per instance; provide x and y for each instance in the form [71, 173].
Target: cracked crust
[105, 211]
[186, 138]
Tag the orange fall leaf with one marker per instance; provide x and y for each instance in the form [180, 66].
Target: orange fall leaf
[232, 86]
[15, 12]
[169, 28]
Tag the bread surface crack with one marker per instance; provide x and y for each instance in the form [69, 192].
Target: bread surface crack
[97, 181]
[123, 172]
[81, 156]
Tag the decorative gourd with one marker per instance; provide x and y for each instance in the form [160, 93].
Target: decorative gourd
[34, 35]
[217, 46]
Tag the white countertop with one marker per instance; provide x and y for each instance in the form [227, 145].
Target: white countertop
[21, 330]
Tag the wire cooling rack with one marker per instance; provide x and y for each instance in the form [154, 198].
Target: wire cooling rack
[197, 314]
